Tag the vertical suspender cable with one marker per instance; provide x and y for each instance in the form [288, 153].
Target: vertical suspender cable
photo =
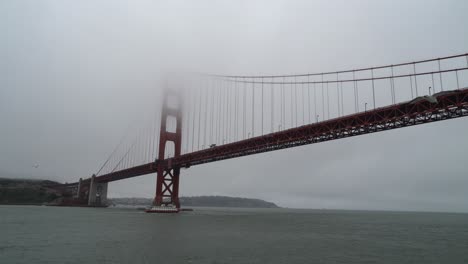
[337, 96]
[229, 112]
[151, 140]
[433, 87]
[125, 162]
[315, 101]
[139, 152]
[328, 101]
[440, 75]
[392, 85]
[212, 111]
[244, 102]
[357, 93]
[205, 122]
[415, 79]
[223, 111]
[283, 106]
[303, 103]
[295, 97]
[233, 127]
[237, 109]
[233, 111]
[216, 111]
[135, 152]
[253, 107]
[308, 95]
[342, 99]
[148, 144]
[354, 93]
[193, 115]
[132, 151]
[323, 101]
[145, 145]
[262, 106]
[226, 122]
[186, 117]
[272, 96]
[130, 156]
[199, 117]
[292, 105]
[157, 137]
[373, 87]
[411, 86]
[218, 114]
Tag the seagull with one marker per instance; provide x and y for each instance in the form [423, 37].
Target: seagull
[35, 166]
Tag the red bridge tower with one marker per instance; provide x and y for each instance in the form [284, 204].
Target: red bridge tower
[167, 182]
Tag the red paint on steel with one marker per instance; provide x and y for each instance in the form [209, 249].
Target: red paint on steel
[167, 182]
[450, 104]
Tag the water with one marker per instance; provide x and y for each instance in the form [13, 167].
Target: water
[33, 234]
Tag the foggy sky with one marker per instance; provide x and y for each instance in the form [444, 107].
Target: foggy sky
[74, 75]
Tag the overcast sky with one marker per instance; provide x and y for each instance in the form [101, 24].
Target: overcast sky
[74, 75]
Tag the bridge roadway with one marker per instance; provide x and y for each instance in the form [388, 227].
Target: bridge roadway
[448, 105]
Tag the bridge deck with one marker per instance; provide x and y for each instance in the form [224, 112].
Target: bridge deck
[450, 104]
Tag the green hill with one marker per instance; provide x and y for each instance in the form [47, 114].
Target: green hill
[24, 191]
[208, 201]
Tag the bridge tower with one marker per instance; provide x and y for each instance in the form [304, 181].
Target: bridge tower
[167, 182]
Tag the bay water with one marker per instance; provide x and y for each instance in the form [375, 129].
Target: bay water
[41, 234]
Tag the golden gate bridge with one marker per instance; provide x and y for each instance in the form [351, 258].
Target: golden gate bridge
[207, 118]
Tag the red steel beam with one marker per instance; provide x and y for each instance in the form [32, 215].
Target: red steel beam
[144, 169]
[450, 104]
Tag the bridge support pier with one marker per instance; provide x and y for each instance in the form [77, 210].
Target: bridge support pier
[167, 187]
[97, 194]
[78, 190]
[101, 194]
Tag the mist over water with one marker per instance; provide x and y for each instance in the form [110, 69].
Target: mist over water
[31, 234]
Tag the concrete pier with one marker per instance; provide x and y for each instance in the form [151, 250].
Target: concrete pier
[101, 194]
[78, 189]
[92, 191]
[97, 195]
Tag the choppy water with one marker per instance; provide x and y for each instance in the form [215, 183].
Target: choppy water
[31, 234]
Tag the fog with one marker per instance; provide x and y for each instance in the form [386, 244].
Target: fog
[76, 75]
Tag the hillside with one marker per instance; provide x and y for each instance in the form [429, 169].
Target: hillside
[208, 201]
[24, 191]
